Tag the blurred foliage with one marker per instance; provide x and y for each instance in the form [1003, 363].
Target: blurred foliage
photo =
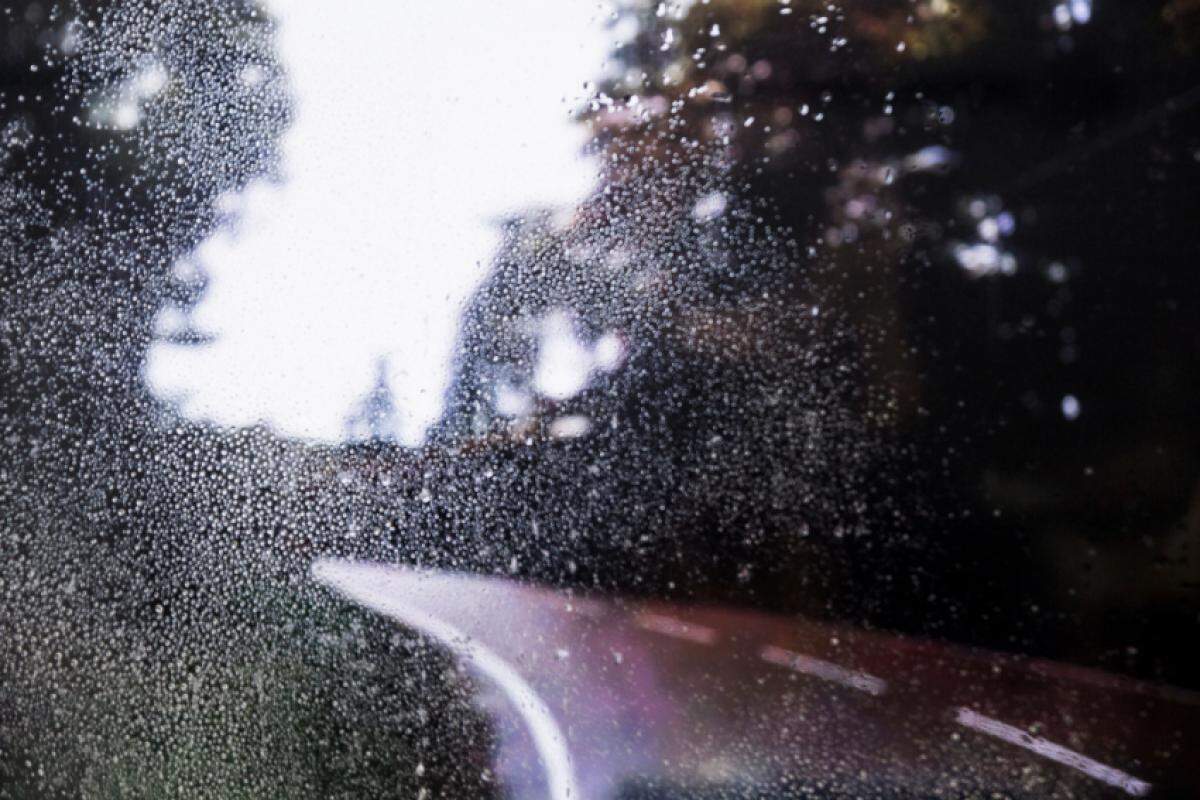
[152, 647]
[1184, 17]
[949, 185]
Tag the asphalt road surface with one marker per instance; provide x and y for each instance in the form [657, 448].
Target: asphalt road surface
[599, 698]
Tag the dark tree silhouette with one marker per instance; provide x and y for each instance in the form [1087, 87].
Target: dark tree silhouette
[943, 180]
[161, 636]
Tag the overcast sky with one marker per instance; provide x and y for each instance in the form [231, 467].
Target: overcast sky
[417, 125]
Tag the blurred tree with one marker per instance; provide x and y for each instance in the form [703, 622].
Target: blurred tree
[941, 181]
[162, 638]
[373, 418]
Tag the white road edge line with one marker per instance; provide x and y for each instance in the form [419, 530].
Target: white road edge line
[823, 669]
[1055, 752]
[547, 736]
[669, 626]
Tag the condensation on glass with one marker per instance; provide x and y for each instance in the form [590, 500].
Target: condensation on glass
[623, 400]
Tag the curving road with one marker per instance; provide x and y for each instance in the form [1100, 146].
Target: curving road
[603, 698]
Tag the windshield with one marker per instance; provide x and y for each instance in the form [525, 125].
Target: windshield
[696, 399]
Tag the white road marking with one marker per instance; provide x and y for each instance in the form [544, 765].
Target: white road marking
[1055, 752]
[823, 669]
[669, 626]
[365, 587]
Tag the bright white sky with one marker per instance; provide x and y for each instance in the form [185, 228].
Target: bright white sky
[417, 125]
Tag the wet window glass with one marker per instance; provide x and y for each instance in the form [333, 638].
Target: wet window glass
[620, 400]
